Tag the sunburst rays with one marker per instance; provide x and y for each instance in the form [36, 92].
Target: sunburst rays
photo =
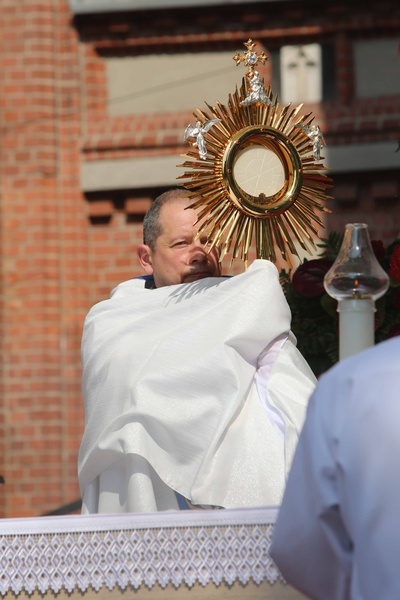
[233, 218]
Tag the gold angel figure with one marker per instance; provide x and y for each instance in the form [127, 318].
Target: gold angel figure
[197, 131]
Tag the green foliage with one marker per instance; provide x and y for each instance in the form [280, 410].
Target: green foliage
[315, 321]
[315, 325]
[330, 246]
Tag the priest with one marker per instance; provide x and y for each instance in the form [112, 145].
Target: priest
[194, 390]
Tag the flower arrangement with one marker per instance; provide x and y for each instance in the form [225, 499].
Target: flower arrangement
[314, 312]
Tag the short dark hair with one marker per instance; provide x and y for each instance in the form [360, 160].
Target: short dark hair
[151, 222]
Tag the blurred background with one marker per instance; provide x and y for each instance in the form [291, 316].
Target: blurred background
[94, 97]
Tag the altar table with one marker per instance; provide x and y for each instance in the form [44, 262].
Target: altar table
[199, 554]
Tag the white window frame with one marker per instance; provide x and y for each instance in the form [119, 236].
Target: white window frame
[301, 73]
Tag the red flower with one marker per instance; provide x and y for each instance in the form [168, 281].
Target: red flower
[378, 248]
[394, 268]
[396, 299]
[308, 279]
[394, 330]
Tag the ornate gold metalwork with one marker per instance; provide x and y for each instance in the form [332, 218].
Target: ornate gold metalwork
[278, 212]
[250, 58]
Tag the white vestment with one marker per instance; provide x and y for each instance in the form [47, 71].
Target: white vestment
[194, 388]
[337, 535]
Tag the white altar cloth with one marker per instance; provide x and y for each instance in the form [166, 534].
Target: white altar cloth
[132, 550]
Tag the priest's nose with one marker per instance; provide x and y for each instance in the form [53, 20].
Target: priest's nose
[199, 254]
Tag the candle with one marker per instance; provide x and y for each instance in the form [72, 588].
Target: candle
[356, 280]
[356, 326]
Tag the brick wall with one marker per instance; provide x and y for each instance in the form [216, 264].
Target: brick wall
[343, 119]
[62, 251]
[44, 258]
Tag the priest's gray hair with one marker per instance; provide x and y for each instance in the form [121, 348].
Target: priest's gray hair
[151, 223]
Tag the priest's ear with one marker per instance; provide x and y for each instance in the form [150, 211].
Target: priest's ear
[144, 256]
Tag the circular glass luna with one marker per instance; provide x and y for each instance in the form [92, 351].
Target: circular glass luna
[258, 170]
[262, 171]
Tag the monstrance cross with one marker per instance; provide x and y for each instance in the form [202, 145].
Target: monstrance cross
[250, 58]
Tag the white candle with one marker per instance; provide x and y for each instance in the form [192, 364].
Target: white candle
[356, 325]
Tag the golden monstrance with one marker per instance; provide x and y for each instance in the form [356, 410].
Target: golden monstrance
[256, 173]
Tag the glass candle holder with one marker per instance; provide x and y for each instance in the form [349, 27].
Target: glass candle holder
[356, 273]
[356, 280]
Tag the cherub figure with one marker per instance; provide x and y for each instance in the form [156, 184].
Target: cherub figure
[315, 135]
[257, 93]
[197, 131]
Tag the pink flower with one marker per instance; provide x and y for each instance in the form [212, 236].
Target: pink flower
[308, 279]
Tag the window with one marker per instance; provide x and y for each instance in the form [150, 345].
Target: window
[377, 68]
[303, 73]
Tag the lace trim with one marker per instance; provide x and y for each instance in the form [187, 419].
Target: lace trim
[78, 552]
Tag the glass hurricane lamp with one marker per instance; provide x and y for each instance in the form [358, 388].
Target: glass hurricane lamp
[356, 280]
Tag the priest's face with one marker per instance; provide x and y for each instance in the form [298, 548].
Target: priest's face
[179, 256]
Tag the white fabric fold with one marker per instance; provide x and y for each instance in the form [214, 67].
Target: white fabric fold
[169, 376]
